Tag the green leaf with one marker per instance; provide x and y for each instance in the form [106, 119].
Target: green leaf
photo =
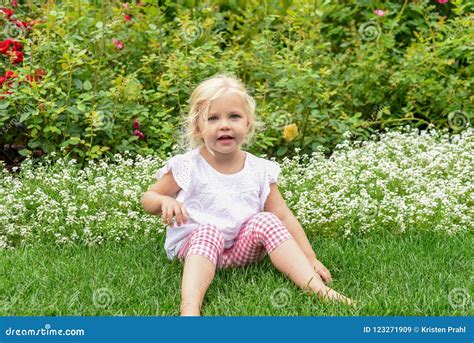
[75, 140]
[282, 150]
[24, 152]
[34, 144]
[87, 85]
[4, 105]
[77, 83]
[24, 116]
[307, 140]
[51, 128]
[314, 146]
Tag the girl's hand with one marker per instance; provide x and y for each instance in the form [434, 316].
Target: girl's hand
[169, 208]
[321, 270]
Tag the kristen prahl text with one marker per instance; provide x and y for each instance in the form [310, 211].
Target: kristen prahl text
[415, 329]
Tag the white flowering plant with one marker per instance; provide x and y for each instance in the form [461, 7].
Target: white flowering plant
[399, 181]
[59, 202]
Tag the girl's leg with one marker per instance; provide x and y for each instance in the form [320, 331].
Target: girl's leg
[290, 260]
[201, 252]
[263, 233]
[198, 274]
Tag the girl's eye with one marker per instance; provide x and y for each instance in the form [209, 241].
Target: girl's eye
[233, 115]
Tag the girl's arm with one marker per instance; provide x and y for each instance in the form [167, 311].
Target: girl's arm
[165, 187]
[277, 205]
[158, 199]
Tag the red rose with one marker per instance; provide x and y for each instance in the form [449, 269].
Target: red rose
[126, 17]
[118, 44]
[8, 75]
[39, 73]
[16, 56]
[8, 12]
[136, 124]
[7, 43]
[4, 45]
[139, 134]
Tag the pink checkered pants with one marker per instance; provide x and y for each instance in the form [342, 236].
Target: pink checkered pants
[260, 234]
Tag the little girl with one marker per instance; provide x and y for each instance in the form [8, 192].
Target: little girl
[222, 204]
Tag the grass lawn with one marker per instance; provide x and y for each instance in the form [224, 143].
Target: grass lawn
[388, 275]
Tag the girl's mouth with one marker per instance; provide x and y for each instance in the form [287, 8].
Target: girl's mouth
[225, 138]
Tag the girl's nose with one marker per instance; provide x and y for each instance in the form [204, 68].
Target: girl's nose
[224, 124]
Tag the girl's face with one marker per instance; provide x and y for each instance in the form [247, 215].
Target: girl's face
[226, 118]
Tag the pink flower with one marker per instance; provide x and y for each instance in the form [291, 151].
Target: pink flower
[136, 124]
[14, 3]
[443, 1]
[139, 134]
[380, 13]
[118, 44]
[126, 17]
[126, 5]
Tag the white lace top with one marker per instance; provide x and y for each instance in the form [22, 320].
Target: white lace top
[210, 197]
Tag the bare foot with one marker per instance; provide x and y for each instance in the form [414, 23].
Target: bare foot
[329, 294]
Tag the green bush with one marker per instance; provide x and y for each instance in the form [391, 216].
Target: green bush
[325, 68]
